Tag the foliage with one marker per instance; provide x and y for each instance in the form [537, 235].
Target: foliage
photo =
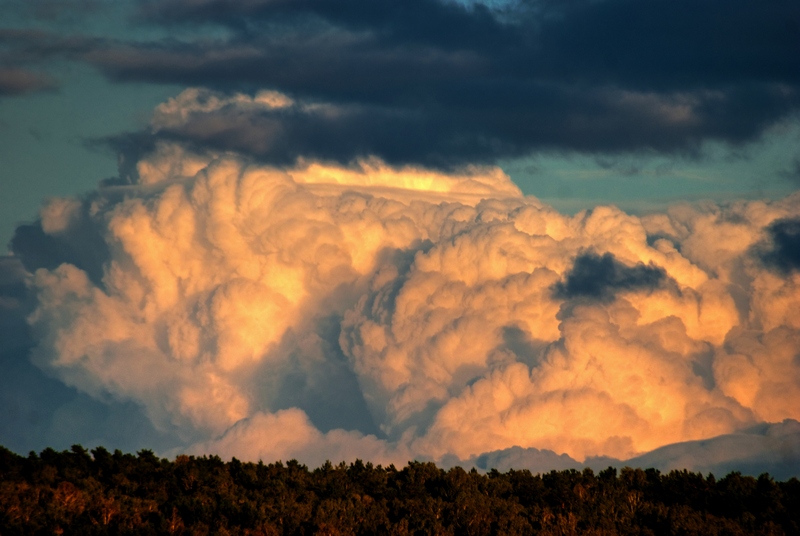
[77, 492]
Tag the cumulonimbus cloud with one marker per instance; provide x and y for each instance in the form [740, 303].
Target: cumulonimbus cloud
[320, 310]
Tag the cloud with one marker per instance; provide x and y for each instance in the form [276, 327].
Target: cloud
[535, 460]
[442, 84]
[20, 81]
[41, 411]
[288, 434]
[766, 448]
[784, 254]
[320, 310]
[596, 277]
[223, 310]
[282, 132]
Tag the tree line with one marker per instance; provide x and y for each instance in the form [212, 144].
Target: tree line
[99, 492]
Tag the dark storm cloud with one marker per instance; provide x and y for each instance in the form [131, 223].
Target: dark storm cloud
[678, 45]
[599, 278]
[441, 83]
[655, 44]
[782, 251]
[445, 24]
[282, 136]
[341, 133]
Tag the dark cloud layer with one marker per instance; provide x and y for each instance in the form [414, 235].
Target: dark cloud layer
[599, 278]
[440, 83]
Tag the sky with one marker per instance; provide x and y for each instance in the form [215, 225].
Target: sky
[533, 233]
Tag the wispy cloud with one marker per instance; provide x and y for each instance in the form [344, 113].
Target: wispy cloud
[21, 81]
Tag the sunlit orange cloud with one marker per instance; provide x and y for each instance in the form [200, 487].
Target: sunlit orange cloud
[238, 300]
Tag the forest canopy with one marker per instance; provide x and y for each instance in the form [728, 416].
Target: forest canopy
[99, 492]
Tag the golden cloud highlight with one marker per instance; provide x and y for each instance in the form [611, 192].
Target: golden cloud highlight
[395, 313]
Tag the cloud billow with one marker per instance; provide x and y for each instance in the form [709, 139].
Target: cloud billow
[308, 254]
[318, 310]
